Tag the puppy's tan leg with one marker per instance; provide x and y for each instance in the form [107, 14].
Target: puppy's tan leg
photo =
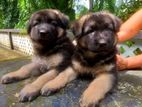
[22, 73]
[60, 81]
[97, 90]
[31, 91]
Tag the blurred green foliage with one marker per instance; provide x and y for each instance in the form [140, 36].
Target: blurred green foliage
[121, 8]
[137, 51]
[129, 43]
[15, 13]
[121, 49]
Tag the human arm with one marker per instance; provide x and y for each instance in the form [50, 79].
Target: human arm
[132, 62]
[128, 30]
[131, 27]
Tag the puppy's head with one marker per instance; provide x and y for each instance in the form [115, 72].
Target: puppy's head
[45, 26]
[96, 32]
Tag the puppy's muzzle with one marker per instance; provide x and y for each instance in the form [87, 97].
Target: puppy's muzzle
[102, 43]
[44, 30]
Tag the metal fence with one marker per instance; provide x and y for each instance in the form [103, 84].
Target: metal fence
[16, 40]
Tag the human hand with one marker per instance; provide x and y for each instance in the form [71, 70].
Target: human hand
[122, 63]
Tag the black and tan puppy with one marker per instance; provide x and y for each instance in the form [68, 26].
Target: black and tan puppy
[52, 53]
[95, 55]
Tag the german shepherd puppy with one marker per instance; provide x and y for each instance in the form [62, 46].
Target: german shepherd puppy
[52, 53]
[95, 54]
[96, 38]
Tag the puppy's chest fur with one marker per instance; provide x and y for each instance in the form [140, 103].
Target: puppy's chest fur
[48, 62]
[95, 66]
[56, 57]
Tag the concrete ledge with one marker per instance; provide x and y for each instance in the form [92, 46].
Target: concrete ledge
[127, 94]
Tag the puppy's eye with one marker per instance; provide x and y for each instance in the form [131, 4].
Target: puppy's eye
[35, 23]
[54, 23]
[109, 27]
[89, 29]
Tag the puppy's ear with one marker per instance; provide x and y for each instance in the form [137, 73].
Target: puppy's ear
[65, 20]
[62, 17]
[117, 23]
[29, 27]
[76, 28]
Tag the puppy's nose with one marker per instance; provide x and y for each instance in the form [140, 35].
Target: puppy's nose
[43, 31]
[102, 43]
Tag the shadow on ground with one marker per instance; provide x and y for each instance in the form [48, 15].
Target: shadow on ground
[127, 94]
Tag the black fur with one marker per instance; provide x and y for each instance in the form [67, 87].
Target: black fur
[98, 59]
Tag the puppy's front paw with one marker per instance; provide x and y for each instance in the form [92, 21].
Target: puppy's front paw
[48, 89]
[28, 93]
[45, 91]
[88, 100]
[8, 78]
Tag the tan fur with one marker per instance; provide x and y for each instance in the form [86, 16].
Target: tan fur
[60, 31]
[22, 73]
[83, 18]
[92, 70]
[61, 80]
[32, 68]
[40, 81]
[96, 90]
[81, 42]
[89, 54]
[35, 87]
[116, 40]
[50, 61]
